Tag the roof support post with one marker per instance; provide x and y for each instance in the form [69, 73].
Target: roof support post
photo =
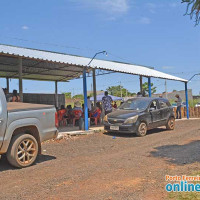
[149, 85]
[85, 99]
[187, 102]
[94, 87]
[141, 90]
[56, 93]
[7, 84]
[20, 68]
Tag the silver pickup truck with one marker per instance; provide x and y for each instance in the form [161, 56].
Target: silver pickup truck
[22, 129]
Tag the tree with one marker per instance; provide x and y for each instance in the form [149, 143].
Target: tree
[193, 8]
[117, 90]
[68, 95]
[145, 88]
[78, 96]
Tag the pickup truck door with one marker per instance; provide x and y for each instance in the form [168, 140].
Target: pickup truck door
[3, 116]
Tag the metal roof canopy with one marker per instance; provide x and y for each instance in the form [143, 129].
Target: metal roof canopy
[52, 66]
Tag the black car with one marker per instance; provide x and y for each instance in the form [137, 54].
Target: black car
[137, 115]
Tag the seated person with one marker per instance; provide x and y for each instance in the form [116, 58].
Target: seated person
[69, 115]
[98, 104]
[77, 106]
[95, 115]
[62, 108]
[115, 105]
[69, 110]
[96, 112]
[15, 97]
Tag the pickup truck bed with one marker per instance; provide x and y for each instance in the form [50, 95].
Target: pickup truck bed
[16, 106]
[23, 127]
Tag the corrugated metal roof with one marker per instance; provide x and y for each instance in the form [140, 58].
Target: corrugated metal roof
[73, 61]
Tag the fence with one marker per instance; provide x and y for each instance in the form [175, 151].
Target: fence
[48, 99]
[194, 112]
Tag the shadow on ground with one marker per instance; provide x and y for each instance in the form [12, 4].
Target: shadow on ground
[4, 165]
[132, 135]
[179, 154]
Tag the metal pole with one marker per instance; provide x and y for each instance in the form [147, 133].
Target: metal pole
[141, 90]
[20, 79]
[166, 89]
[8, 85]
[56, 93]
[149, 85]
[187, 102]
[85, 99]
[121, 88]
[94, 87]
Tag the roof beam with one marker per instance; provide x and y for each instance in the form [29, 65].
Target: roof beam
[34, 73]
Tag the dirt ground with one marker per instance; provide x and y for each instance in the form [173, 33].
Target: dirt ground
[103, 167]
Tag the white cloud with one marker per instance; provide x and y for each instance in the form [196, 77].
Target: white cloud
[109, 6]
[144, 20]
[25, 27]
[115, 6]
[151, 7]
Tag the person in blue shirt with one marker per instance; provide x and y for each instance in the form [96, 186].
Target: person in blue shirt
[107, 103]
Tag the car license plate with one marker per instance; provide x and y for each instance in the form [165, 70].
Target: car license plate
[114, 128]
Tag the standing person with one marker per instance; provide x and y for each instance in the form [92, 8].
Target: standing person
[107, 103]
[89, 104]
[15, 97]
[178, 111]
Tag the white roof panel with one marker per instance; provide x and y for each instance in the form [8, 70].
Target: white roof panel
[83, 61]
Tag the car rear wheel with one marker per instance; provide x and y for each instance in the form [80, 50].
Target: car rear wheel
[23, 150]
[171, 123]
[142, 129]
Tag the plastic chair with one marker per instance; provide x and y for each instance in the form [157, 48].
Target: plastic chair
[77, 114]
[61, 119]
[96, 118]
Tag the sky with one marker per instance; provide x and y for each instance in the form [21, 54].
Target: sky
[151, 33]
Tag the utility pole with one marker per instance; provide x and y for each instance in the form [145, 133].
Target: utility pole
[141, 90]
[166, 88]
[121, 88]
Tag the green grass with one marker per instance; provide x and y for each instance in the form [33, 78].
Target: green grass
[185, 195]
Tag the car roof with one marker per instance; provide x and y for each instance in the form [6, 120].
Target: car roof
[148, 98]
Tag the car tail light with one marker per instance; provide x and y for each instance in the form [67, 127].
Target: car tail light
[56, 119]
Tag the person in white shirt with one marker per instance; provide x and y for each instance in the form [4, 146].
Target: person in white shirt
[89, 103]
[178, 111]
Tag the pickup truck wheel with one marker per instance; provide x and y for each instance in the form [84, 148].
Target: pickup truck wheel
[170, 124]
[23, 150]
[142, 129]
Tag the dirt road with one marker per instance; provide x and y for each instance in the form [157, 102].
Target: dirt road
[102, 167]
